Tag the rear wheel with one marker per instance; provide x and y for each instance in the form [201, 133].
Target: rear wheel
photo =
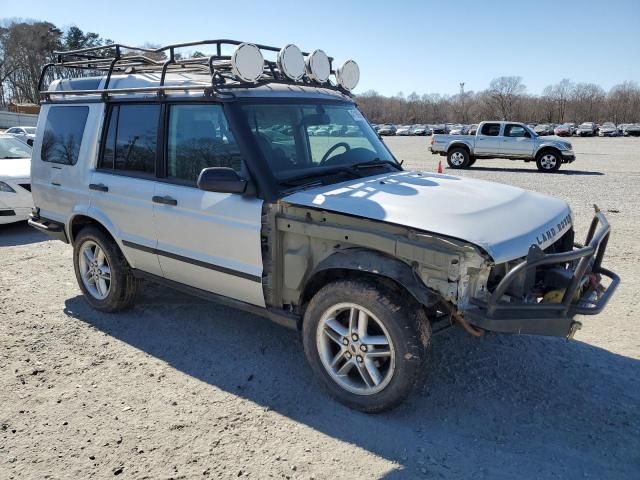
[458, 158]
[366, 343]
[471, 162]
[548, 161]
[103, 274]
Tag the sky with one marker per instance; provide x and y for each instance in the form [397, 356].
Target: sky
[421, 46]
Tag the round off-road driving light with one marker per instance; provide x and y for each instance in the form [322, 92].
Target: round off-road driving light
[247, 62]
[348, 75]
[318, 66]
[291, 62]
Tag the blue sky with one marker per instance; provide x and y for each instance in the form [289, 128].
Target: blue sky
[423, 46]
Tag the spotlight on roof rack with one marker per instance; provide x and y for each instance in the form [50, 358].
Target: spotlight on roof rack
[247, 62]
[318, 66]
[291, 62]
[348, 75]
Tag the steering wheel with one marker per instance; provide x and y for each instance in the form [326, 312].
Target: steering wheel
[325, 157]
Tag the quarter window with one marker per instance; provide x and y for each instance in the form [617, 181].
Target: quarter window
[199, 137]
[63, 134]
[490, 129]
[131, 141]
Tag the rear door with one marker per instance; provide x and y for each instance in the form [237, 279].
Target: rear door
[207, 240]
[517, 141]
[488, 141]
[123, 185]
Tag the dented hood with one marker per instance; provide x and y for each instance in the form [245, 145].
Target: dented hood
[502, 220]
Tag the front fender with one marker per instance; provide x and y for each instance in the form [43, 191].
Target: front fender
[377, 263]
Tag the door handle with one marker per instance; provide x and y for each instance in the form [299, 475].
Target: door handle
[100, 187]
[166, 200]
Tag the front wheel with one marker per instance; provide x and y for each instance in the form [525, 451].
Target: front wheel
[458, 158]
[366, 343]
[548, 161]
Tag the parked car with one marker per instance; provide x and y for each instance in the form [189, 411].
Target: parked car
[473, 129]
[387, 129]
[15, 183]
[543, 129]
[419, 130]
[608, 130]
[586, 129]
[26, 134]
[632, 130]
[563, 130]
[458, 129]
[337, 240]
[439, 128]
[511, 140]
[403, 130]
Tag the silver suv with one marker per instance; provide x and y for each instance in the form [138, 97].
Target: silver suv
[203, 174]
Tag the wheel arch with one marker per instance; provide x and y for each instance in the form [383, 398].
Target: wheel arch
[81, 220]
[362, 262]
[548, 148]
[462, 145]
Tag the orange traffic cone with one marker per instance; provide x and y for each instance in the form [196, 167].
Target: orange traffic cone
[440, 166]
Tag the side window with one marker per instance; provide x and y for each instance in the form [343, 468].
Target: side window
[490, 129]
[198, 137]
[63, 134]
[131, 139]
[514, 131]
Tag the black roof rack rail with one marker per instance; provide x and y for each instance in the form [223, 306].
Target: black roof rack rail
[117, 58]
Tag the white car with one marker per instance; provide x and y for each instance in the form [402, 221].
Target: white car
[15, 183]
[404, 130]
[26, 134]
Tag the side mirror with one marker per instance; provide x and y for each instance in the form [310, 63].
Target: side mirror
[221, 180]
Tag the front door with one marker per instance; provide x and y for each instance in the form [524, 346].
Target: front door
[516, 141]
[488, 140]
[207, 240]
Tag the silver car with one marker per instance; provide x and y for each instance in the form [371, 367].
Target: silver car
[212, 184]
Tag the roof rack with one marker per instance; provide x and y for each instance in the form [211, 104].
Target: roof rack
[116, 58]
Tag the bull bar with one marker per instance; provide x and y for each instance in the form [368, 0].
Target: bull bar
[555, 319]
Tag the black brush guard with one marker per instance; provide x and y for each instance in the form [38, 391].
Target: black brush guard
[555, 319]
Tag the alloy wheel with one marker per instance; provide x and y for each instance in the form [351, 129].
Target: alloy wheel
[94, 270]
[355, 349]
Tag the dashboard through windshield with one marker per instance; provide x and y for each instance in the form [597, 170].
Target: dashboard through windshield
[306, 140]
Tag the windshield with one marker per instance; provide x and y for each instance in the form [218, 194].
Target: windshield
[585, 125]
[306, 140]
[30, 130]
[13, 148]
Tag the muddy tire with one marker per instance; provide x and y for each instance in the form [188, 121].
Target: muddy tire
[103, 274]
[366, 343]
[548, 161]
[458, 158]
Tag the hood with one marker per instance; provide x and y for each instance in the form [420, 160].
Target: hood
[502, 220]
[15, 168]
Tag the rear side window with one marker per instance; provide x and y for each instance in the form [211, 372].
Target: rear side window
[131, 140]
[63, 134]
[490, 129]
[199, 137]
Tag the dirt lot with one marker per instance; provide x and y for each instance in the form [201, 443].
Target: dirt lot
[180, 388]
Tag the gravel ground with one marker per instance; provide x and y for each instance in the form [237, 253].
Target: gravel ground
[181, 388]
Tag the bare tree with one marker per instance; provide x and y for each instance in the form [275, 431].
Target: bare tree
[504, 93]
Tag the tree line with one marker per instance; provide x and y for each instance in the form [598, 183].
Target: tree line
[506, 98]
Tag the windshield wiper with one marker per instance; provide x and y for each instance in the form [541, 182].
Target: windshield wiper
[12, 158]
[376, 162]
[291, 181]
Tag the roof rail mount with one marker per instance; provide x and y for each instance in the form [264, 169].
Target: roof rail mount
[117, 58]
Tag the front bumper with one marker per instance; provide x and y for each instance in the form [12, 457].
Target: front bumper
[579, 298]
[568, 156]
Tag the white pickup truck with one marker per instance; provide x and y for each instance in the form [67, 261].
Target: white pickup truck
[511, 140]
